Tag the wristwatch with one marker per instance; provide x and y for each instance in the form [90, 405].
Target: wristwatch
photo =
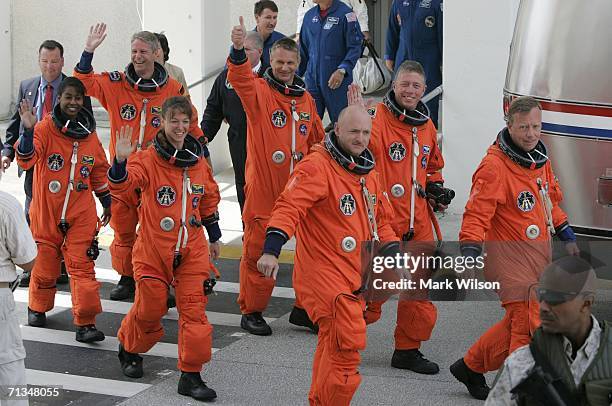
[342, 70]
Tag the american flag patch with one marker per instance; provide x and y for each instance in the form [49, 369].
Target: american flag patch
[351, 17]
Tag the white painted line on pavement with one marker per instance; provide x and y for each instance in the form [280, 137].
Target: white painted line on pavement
[109, 275]
[80, 383]
[51, 336]
[63, 299]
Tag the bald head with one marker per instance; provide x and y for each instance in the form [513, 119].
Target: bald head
[353, 129]
[253, 46]
[571, 275]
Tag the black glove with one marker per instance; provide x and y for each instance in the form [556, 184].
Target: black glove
[439, 194]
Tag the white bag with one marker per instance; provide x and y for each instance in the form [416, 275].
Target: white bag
[370, 72]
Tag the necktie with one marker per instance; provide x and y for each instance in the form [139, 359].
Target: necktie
[48, 106]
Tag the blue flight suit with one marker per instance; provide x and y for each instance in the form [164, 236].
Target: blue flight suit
[267, 45]
[415, 33]
[327, 44]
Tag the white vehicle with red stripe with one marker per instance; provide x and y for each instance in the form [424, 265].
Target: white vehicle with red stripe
[561, 54]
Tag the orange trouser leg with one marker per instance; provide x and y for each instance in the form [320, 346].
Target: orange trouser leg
[373, 311]
[195, 332]
[335, 377]
[44, 275]
[298, 302]
[415, 322]
[141, 328]
[255, 288]
[513, 331]
[123, 221]
[524, 321]
[83, 284]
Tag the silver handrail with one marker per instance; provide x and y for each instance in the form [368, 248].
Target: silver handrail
[206, 77]
[432, 94]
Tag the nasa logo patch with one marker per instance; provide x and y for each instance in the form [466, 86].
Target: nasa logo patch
[303, 129]
[195, 201]
[84, 172]
[155, 122]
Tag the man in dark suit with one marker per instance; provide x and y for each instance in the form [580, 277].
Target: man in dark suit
[41, 93]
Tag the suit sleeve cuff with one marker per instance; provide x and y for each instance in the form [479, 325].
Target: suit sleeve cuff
[238, 56]
[84, 65]
[565, 233]
[105, 200]
[471, 250]
[213, 231]
[26, 143]
[275, 239]
[118, 172]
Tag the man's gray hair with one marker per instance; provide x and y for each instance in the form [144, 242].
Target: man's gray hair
[255, 39]
[523, 104]
[410, 66]
[148, 37]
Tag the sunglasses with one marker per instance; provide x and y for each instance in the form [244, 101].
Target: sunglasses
[553, 297]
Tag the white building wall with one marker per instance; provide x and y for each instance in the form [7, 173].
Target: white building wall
[6, 69]
[68, 22]
[477, 36]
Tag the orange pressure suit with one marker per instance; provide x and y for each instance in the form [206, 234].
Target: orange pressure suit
[508, 209]
[282, 125]
[324, 203]
[395, 146]
[178, 196]
[69, 164]
[130, 100]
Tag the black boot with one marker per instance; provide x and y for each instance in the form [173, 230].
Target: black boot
[36, 319]
[299, 317]
[476, 383]
[88, 334]
[414, 361]
[254, 323]
[63, 278]
[191, 384]
[125, 289]
[24, 282]
[131, 364]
